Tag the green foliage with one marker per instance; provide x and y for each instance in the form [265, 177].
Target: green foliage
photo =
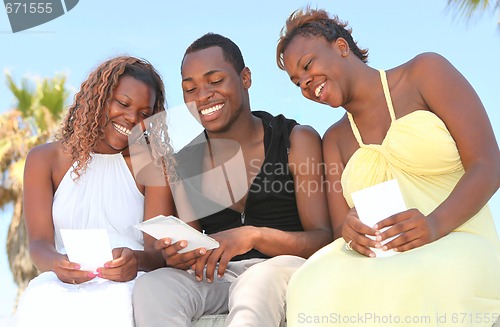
[34, 120]
[44, 104]
[23, 94]
[471, 8]
[52, 96]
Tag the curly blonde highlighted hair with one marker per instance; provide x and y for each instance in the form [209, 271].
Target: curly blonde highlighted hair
[315, 22]
[83, 126]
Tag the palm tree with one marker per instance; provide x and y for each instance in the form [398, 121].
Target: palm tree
[471, 8]
[34, 121]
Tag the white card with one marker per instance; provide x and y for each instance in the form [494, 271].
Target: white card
[177, 230]
[378, 202]
[90, 248]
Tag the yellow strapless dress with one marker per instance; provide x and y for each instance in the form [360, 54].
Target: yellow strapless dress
[454, 281]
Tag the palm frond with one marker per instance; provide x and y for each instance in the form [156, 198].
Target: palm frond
[23, 94]
[53, 95]
[35, 119]
[469, 9]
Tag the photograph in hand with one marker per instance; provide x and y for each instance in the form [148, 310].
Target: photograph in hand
[378, 202]
[172, 227]
[90, 248]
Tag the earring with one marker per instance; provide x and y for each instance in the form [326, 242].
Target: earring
[344, 54]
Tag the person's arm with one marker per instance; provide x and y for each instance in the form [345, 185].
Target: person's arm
[305, 162]
[306, 166]
[38, 193]
[334, 166]
[345, 221]
[157, 201]
[450, 96]
[169, 250]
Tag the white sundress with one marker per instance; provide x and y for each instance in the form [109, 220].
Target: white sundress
[105, 196]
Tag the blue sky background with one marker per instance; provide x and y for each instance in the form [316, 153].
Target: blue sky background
[159, 31]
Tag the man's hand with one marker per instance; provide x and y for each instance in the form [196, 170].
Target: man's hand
[173, 258]
[232, 242]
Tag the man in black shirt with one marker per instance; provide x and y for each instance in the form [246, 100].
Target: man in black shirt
[265, 233]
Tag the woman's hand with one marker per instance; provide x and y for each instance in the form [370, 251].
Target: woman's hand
[69, 272]
[354, 233]
[413, 228]
[122, 268]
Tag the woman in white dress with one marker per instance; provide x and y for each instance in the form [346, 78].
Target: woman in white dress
[85, 180]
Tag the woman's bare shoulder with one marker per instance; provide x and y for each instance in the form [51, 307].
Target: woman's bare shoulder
[424, 65]
[336, 132]
[49, 157]
[50, 152]
[339, 140]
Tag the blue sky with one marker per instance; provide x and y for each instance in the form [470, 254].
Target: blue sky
[159, 31]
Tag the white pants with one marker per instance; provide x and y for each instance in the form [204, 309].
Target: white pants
[252, 291]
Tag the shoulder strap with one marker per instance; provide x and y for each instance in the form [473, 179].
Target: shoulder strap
[387, 94]
[355, 130]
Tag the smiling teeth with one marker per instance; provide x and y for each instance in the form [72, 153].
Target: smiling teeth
[211, 110]
[122, 130]
[318, 90]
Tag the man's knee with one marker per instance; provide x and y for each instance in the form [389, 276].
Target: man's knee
[144, 289]
[154, 284]
[280, 267]
[159, 293]
[272, 272]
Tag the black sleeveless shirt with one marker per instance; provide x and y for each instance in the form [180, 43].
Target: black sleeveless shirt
[271, 198]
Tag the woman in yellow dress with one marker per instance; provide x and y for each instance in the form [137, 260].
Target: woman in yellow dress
[422, 124]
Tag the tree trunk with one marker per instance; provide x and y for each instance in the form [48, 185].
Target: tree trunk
[20, 263]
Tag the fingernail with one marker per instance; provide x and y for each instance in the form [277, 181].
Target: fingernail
[77, 266]
[371, 255]
[91, 274]
[106, 265]
[395, 249]
[384, 248]
[183, 244]
[375, 226]
[220, 276]
[198, 278]
[209, 280]
[203, 251]
[167, 243]
[378, 238]
[98, 270]
[378, 245]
